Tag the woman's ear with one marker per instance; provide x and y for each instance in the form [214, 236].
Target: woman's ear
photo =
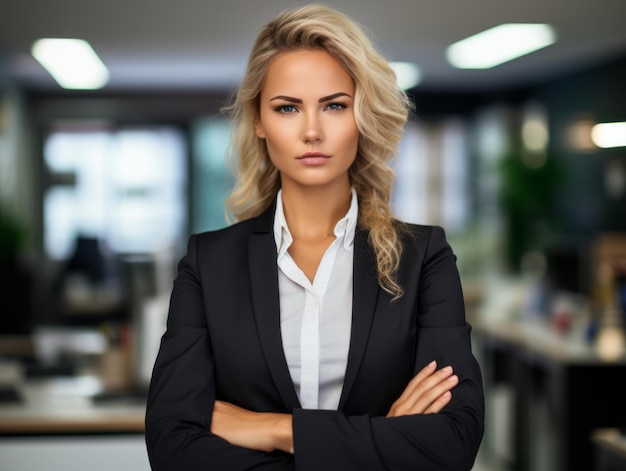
[258, 128]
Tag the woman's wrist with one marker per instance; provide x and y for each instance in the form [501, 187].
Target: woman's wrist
[282, 431]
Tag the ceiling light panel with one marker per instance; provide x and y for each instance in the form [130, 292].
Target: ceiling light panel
[500, 44]
[607, 135]
[72, 63]
[408, 74]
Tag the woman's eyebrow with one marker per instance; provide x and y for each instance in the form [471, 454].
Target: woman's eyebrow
[286, 98]
[298, 100]
[333, 96]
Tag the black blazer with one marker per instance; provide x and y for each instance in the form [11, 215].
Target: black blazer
[223, 341]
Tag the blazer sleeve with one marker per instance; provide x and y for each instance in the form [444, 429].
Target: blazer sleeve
[446, 441]
[182, 391]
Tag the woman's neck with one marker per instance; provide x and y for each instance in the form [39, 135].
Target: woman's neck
[312, 214]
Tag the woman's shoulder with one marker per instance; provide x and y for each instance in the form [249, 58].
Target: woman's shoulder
[420, 230]
[422, 236]
[229, 233]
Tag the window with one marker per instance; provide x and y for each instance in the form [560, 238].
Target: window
[211, 179]
[432, 184]
[125, 187]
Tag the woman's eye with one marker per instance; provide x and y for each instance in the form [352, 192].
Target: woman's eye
[336, 106]
[286, 109]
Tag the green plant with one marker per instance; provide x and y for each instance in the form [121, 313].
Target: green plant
[13, 235]
[528, 202]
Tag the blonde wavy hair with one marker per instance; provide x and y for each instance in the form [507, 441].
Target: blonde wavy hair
[381, 109]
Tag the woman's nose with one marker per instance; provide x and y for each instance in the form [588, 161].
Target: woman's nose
[313, 129]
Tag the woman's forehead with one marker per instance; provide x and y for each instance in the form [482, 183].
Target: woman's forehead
[307, 72]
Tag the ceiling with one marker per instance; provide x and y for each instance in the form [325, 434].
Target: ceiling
[203, 44]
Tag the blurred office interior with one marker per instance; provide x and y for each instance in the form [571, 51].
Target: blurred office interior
[99, 190]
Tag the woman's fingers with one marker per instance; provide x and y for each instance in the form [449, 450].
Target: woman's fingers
[427, 392]
[418, 379]
[439, 403]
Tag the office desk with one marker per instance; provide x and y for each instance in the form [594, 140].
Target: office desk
[57, 425]
[582, 392]
[64, 406]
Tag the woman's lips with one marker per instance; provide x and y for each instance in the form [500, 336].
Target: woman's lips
[313, 158]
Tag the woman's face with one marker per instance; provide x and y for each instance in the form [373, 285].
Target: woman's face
[306, 117]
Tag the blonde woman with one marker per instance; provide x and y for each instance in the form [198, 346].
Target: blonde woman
[318, 332]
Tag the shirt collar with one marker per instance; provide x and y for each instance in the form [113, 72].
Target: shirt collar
[344, 229]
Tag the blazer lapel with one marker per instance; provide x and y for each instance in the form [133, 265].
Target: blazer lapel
[266, 304]
[365, 293]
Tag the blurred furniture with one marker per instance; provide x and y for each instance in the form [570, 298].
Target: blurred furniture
[65, 422]
[89, 288]
[74, 453]
[16, 283]
[610, 450]
[579, 392]
[610, 248]
[62, 406]
[609, 258]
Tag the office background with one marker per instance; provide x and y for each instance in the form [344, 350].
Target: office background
[99, 190]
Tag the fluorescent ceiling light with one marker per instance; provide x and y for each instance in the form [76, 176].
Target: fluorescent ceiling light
[499, 44]
[71, 62]
[407, 74]
[609, 135]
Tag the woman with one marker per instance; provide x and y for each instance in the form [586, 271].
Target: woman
[318, 332]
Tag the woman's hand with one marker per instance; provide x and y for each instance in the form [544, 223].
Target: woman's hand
[427, 393]
[263, 431]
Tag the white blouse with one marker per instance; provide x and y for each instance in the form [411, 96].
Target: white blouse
[316, 318]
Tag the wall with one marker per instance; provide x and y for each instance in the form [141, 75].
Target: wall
[597, 94]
